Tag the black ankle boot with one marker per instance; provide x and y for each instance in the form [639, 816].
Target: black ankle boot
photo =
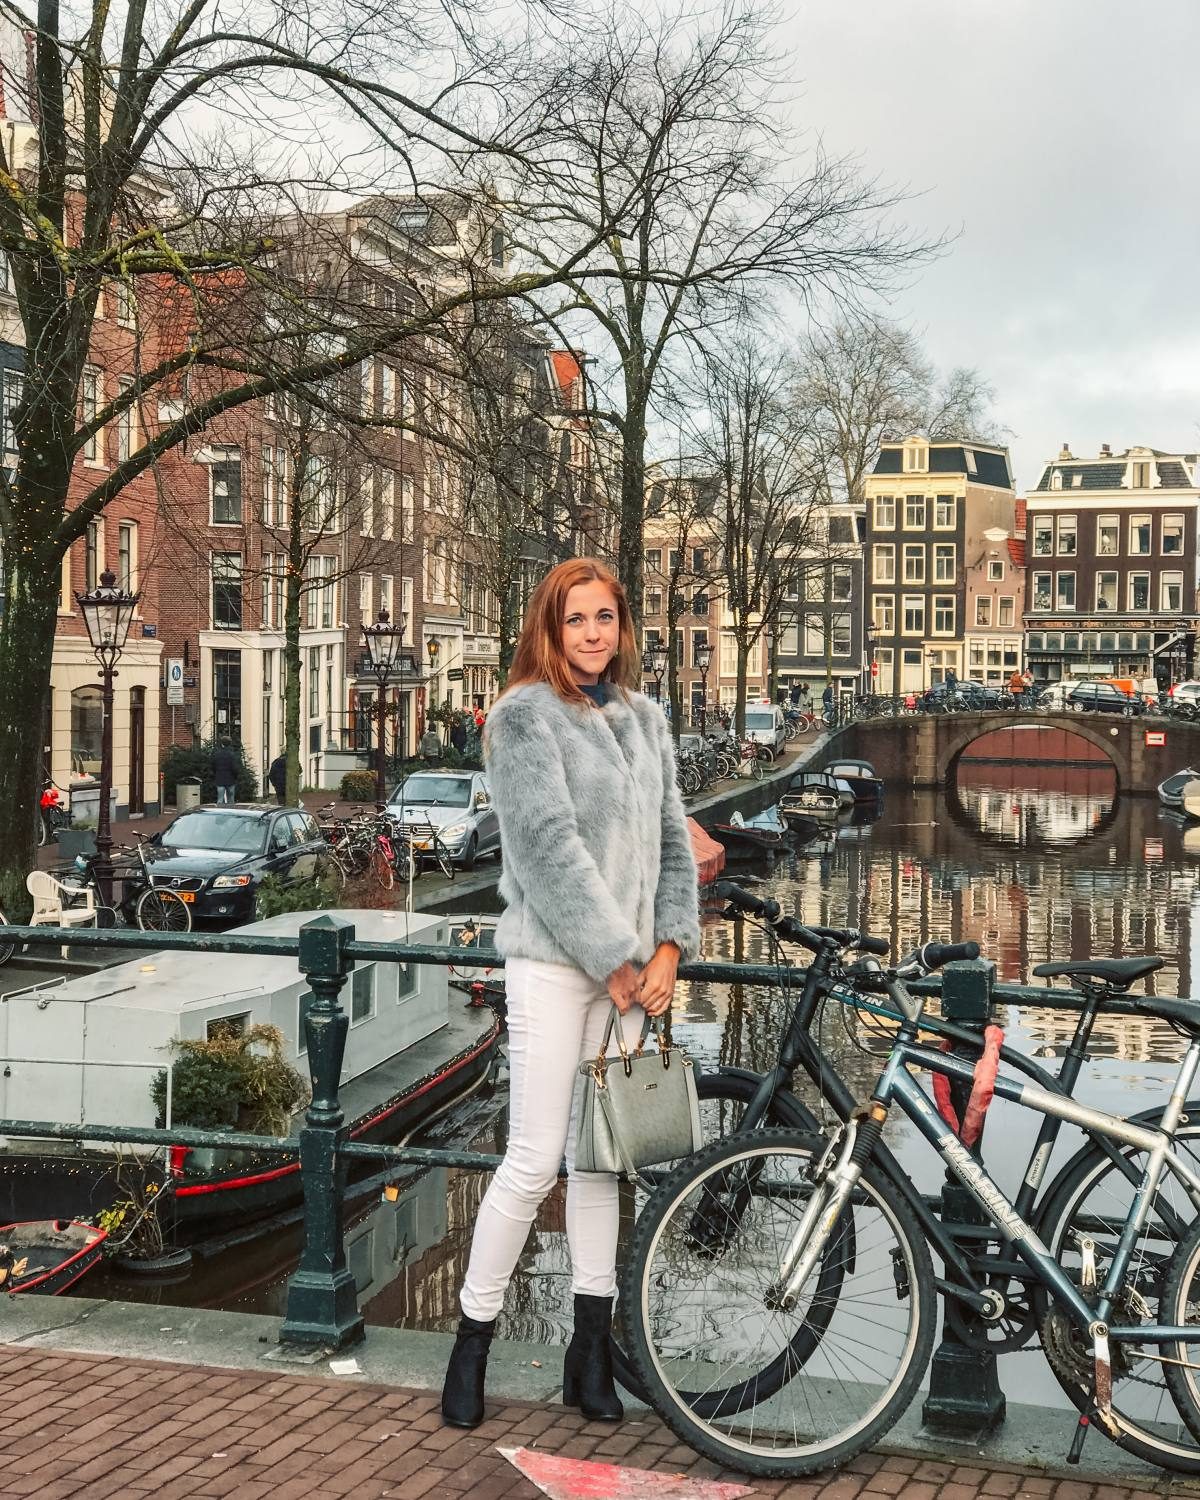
[587, 1367]
[462, 1394]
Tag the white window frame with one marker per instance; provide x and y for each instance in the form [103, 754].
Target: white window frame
[1008, 606]
[127, 543]
[1048, 591]
[91, 398]
[995, 571]
[883, 552]
[1115, 592]
[946, 606]
[1174, 523]
[1059, 580]
[945, 562]
[885, 513]
[1134, 522]
[1166, 581]
[913, 501]
[1134, 578]
[916, 604]
[1042, 527]
[913, 559]
[1112, 524]
[942, 522]
[983, 612]
[883, 613]
[1068, 526]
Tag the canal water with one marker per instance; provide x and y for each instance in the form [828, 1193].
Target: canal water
[1032, 863]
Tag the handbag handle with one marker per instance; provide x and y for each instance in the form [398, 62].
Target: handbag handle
[649, 1024]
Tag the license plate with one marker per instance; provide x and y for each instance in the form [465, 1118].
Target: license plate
[186, 895]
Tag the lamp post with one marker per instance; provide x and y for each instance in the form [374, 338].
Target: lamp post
[658, 665]
[108, 613]
[703, 658]
[432, 647]
[383, 645]
[871, 640]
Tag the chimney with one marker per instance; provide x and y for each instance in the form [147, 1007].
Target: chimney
[1066, 455]
[1105, 451]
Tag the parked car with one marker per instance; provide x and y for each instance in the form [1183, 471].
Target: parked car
[1054, 695]
[458, 804]
[1183, 699]
[765, 725]
[1102, 697]
[971, 695]
[215, 858]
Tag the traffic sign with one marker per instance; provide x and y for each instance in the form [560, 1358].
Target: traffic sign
[174, 681]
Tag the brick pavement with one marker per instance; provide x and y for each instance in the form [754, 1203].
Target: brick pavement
[77, 1424]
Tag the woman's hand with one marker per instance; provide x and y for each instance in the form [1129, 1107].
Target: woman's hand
[658, 979]
[624, 987]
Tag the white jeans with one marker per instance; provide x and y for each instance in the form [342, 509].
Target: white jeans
[556, 1017]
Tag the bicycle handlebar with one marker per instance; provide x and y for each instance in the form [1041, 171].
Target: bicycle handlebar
[788, 928]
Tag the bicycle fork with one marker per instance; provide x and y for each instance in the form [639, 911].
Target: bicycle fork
[835, 1175]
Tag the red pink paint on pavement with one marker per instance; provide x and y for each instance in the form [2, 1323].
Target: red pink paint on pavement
[579, 1479]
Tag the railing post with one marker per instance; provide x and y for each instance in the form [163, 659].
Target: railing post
[965, 1399]
[322, 1302]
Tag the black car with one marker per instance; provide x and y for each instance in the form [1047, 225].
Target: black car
[1102, 697]
[216, 857]
[943, 696]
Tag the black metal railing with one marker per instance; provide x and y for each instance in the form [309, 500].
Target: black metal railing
[322, 1304]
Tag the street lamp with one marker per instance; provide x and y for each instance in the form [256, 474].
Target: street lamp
[703, 659]
[871, 638]
[108, 613]
[383, 646]
[433, 647]
[658, 665]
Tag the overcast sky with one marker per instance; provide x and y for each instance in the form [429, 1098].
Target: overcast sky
[1059, 139]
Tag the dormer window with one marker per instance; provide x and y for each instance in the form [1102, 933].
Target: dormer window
[1056, 479]
[916, 458]
[1139, 475]
[969, 455]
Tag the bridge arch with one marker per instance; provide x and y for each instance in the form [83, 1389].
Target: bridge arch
[1095, 730]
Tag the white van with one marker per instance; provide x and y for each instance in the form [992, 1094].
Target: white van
[765, 725]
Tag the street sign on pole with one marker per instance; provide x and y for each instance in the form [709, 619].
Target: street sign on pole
[455, 674]
[174, 681]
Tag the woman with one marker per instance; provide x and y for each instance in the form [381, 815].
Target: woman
[599, 889]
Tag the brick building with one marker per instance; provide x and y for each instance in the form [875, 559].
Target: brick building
[1111, 549]
[995, 594]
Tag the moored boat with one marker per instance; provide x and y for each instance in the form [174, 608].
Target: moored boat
[46, 1256]
[746, 840]
[859, 776]
[1190, 799]
[1170, 791]
[816, 794]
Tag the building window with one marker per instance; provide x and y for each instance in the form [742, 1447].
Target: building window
[883, 563]
[943, 562]
[995, 572]
[789, 640]
[1007, 611]
[227, 590]
[89, 405]
[653, 559]
[407, 508]
[389, 391]
[914, 562]
[314, 682]
[700, 638]
[983, 612]
[1139, 476]
[1171, 593]
[944, 510]
[885, 513]
[1066, 591]
[1042, 584]
[883, 613]
[653, 602]
[814, 635]
[225, 486]
[699, 559]
[840, 630]
[1139, 591]
[1108, 535]
[914, 513]
[93, 556]
[14, 385]
[387, 504]
[362, 994]
[127, 568]
[366, 584]
[227, 694]
[1043, 536]
[916, 459]
[1172, 535]
[814, 584]
[1106, 591]
[126, 420]
[842, 583]
[914, 614]
[1139, 536]
[1067, 535]
[125, 300]
[943, 614]
[87, 730]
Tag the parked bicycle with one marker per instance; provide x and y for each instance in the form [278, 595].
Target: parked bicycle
[756, 1271]
[53, 813]
[140, 903]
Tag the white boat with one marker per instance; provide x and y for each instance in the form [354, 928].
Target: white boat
[88, 1050]
[1189, 799]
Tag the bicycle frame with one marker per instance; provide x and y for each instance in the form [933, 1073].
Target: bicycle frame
[897, 1086]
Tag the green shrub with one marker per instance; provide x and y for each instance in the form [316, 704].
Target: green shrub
[357, 786]
[276, 896]
[196, 760]
[232, 1079]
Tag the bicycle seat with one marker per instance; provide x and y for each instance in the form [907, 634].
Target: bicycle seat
[1114, 973]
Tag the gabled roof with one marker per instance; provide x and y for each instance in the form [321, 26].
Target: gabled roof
[1016, 550]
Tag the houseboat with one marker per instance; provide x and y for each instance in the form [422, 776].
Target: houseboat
[88, 1051]
[860, 777]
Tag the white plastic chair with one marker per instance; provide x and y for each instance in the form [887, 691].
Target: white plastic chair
[49, 908]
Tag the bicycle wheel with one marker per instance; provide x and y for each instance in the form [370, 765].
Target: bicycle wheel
[6, 949]
[1091, 1197]
[444, 863]
[757, 769]
[162, 911]
[704, 1314]
[1180, 1304]
[379, 867]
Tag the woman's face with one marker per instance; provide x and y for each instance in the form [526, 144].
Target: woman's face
[591, 630]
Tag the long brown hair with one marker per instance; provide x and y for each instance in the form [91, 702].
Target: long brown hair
[539, 656]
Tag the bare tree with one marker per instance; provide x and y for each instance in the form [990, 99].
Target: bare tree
[671, 135]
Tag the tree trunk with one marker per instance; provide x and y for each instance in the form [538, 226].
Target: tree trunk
[630, 558]
[743, 664]
[26, 650]
[291, 654]
[674, 695]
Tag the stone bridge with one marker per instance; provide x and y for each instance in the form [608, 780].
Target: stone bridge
[923, 749]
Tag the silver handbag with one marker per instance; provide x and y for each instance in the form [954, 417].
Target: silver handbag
[640, 1110]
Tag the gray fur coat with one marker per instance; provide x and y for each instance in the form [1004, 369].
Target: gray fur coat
[598, 863]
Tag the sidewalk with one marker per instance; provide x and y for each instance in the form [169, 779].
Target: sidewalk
[77, 1424]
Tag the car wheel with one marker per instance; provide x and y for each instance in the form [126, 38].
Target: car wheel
[470, 853]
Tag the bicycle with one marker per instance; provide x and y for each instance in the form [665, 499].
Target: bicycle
[142, 904]
[422, 841]
[828, 1189]
[53, 814]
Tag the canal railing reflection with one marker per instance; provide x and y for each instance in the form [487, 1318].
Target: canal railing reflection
[322, 1302]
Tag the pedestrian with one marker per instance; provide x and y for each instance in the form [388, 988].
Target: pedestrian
[225, 772]
[431, 743]
[277, 776]
[479, 719]
[601, 908]
[951, 680]
[1016, 685]
[827, 701]
[794, 694]
[458, 734]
